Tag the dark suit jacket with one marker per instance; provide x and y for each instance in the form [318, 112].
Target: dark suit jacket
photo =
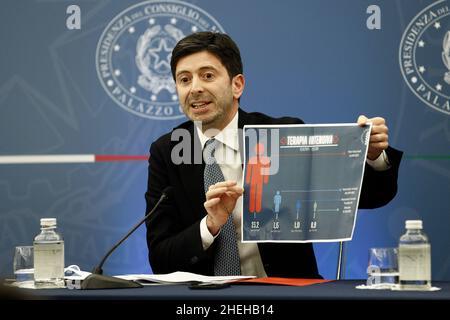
[173, 230]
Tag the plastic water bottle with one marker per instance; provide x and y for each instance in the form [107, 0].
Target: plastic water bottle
[48, 256]
[414, 258]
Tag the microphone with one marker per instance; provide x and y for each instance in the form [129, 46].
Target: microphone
[97, 280]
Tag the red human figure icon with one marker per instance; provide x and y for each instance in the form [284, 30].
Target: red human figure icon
[257, 175]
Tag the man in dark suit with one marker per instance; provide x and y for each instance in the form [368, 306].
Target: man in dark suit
[182, 233]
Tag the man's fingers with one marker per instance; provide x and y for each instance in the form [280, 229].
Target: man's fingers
[236, 189]
[227, 183]
[379, 145]
[211, 203]
[233, 194]
[217, 192]
[377, 121]
[379, 129]
[362, 120]
[380, 137]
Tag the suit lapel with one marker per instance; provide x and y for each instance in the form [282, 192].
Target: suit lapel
[192, 175]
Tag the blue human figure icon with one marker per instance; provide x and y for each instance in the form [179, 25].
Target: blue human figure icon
[298, 205]
[277, 203]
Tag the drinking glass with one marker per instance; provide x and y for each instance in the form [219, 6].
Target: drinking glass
[23, 263]
[382, 269]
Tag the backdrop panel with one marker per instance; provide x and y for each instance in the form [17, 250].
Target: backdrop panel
[89, 92]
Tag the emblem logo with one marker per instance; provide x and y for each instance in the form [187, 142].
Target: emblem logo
[424, 56]
[133, 55]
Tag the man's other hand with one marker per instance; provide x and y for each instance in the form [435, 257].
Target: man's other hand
[378, 136]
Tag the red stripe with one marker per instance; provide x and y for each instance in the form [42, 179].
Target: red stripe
[110, 158]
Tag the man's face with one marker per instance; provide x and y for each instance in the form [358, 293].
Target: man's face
[205, 90]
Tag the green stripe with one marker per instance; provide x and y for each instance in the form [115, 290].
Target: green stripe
[427, 157]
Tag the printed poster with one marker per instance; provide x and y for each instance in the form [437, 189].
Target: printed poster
[302, 182]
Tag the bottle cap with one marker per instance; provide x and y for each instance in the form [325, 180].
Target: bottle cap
[413, 224]
[48, 222]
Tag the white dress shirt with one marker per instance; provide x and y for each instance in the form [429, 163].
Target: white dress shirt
[228, 157]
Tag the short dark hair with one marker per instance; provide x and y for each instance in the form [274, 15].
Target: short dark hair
[219, 44]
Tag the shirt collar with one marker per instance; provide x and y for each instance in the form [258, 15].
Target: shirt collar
[228, 136]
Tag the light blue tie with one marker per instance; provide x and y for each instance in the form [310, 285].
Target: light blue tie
[226, 258]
